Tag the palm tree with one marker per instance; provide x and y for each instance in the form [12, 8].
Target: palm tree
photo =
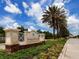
[55, 17]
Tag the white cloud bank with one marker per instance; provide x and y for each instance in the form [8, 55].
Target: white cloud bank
[35, 10]
[11, 7]
[73, 19]
[60, 3]
[73, 24]
[8, 23]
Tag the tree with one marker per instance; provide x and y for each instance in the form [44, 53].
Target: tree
[2, 32]
[64, 32]
[48, 35]
[39, 31]
[55, 17]
[21, 28]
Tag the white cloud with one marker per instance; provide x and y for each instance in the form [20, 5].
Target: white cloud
[8, 22]
[25, 5]
[73, 19]
[31, 28]
[16, 4]
[44, 25]
[35, 11]
[73, 24]
[42, 2]
[35, 26]
[11, 7]
[60, 3]
[67, 1]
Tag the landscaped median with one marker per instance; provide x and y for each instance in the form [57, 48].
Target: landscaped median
[50, 49]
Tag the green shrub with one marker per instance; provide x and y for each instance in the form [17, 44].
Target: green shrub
[36, 51]
[54, 51]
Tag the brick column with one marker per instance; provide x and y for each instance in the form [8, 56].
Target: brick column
[11, 40]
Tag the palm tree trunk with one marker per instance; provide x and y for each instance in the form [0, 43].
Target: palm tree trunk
[53, 33]
[58, 29]
[53, 29]
[59, 32]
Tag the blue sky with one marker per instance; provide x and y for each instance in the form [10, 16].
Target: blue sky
[28, 13]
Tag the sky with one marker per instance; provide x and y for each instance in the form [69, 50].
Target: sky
[28, 13]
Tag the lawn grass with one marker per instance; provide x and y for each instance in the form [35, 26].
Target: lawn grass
[50, 49]
[54, 51]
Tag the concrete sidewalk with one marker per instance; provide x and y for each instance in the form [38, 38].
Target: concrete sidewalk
[70, 50]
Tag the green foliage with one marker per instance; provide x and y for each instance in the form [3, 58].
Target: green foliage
[22, 29]
[55, 17]
[64, 32]
[54, 51]
[39, 31]
[33, 51]
[25, 52]
[48, 35]
[2, 35]
[2, 32]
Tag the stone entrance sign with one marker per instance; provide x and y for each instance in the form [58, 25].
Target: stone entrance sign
[11, 40]
[15, 40]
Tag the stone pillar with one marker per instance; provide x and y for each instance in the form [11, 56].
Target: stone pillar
[11, 40]
[42, 37]
[23, 43]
